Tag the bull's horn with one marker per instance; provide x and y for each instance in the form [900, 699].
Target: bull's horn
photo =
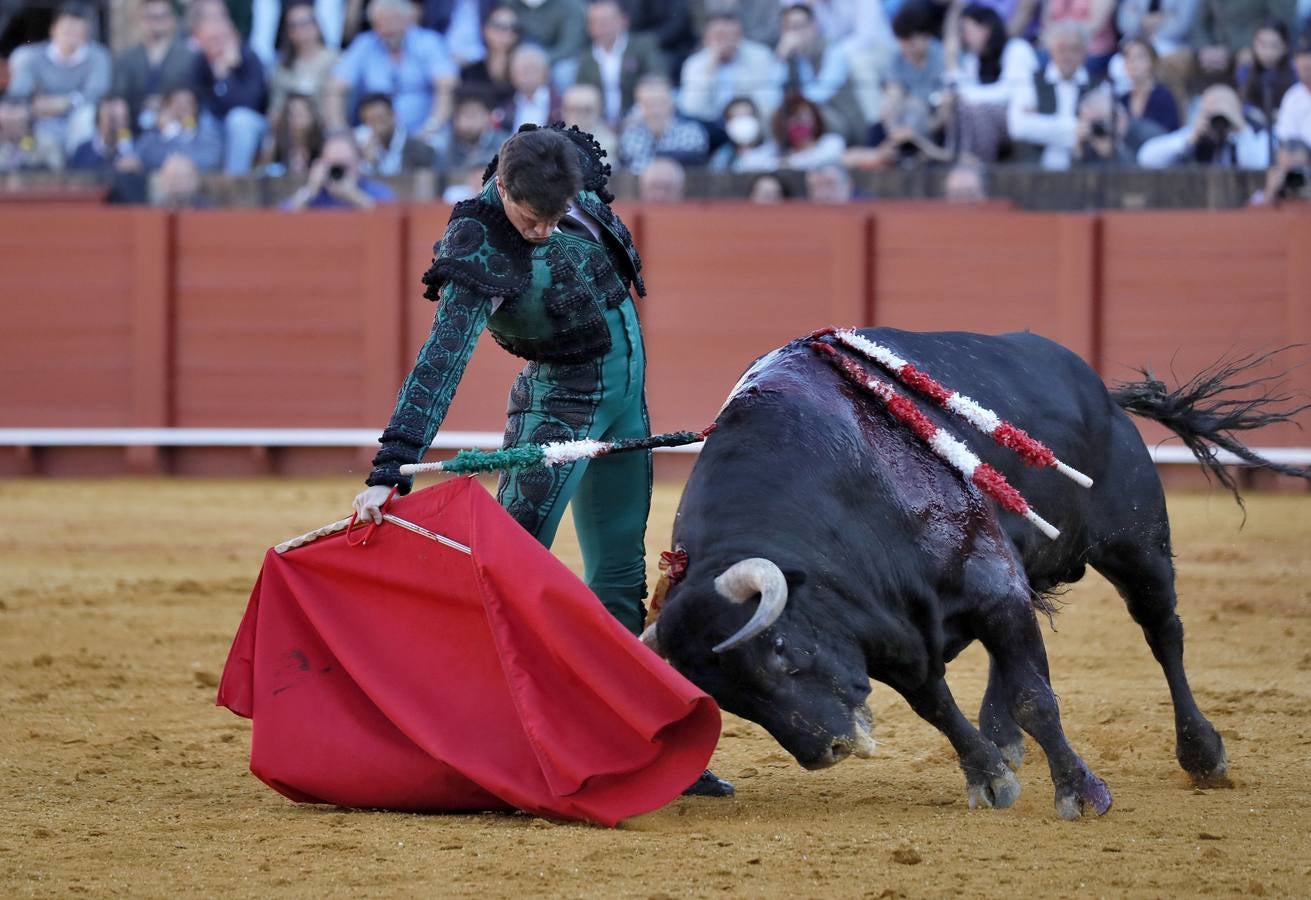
[742, 581]
[652, 639]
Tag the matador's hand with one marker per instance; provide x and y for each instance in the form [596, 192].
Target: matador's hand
[368, 502]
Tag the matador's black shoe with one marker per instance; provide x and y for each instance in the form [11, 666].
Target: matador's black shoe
[710, 785]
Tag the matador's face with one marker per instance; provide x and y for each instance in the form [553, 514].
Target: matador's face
[534, 227]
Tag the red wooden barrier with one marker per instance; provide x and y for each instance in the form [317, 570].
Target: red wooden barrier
[260, 318]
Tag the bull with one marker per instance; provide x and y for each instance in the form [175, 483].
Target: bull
[827, 546]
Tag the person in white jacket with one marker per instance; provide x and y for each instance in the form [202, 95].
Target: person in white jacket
[1218, 135]
[728, 66]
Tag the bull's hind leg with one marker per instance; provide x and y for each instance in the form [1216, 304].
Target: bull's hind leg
[996, 722]
[1015, 643]
[1144, 575]
[988, 780]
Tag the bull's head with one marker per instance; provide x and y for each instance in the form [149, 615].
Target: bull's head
[804, 683]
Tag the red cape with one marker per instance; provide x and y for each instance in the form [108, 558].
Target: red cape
[409, 674]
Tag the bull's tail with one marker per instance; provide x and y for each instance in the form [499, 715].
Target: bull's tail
[1220, 400]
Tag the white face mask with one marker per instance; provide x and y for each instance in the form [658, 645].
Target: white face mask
[743, 130]
[533, 4]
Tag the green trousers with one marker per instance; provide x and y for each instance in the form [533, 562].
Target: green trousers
[604, 399]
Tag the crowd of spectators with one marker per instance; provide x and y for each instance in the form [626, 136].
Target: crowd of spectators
[342, 93]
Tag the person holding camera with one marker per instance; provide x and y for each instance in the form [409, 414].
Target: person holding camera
[1101, 130]
[334, 180]
[1287, 180]
[1219, 135]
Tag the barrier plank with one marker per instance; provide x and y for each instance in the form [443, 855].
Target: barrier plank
[986, 270]
[1183, 289]
[731, 281]
[66, 348]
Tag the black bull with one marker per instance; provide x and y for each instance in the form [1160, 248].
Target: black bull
[880, 562]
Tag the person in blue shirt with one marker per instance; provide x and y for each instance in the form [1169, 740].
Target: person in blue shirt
[409, 64]
[334, 180]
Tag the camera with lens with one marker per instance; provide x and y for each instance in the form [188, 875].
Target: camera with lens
[1293, 187]
[337, 172]
[1100, 129]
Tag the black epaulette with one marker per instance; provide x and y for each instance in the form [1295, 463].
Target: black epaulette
[482, 251]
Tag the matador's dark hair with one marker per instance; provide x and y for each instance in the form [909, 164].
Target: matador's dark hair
[540, 169]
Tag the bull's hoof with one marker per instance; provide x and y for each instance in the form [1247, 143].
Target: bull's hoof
[1202, 756]
[1013, 753]
[998, 792]
[1092, 796]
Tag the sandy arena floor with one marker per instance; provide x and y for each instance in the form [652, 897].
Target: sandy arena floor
[119, 599]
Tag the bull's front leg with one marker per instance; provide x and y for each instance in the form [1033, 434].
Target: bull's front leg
[1015, 643]
[989, 782]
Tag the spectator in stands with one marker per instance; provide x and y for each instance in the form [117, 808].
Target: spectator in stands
[296, 138]
[657, 130]
[670, 23]
[759, 18]
[20, 150]
[1263, 81]
[663, 181]
[1042, 118]
[828, 184]
[1101, 131]
[177, 185]
[146, 72]
[229, 83]
[915, 78]
[534, 101]
[554, 25]
[1219, 135]
[1223, 32]
[767, 188]
[1097, 18]
[1149, 105]
[62, 79]
[472, 138]
[803, 140]
[181, 129]
[460, 23]
[1294, 120]
[1289, 178]
[581, 105]
[616, 58]
[727, 66]
[988, 72]
[491, 74]
[964, 184]
[750, 146]
[385, 147]
[334, 180]
[818, 70]
[304, 62]
[410, 64]
[110, 147]
[1166, 25]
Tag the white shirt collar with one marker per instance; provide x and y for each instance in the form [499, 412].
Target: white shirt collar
[1052, 75]
[616, 52]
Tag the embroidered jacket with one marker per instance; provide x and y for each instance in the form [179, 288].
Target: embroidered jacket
[542, 302]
